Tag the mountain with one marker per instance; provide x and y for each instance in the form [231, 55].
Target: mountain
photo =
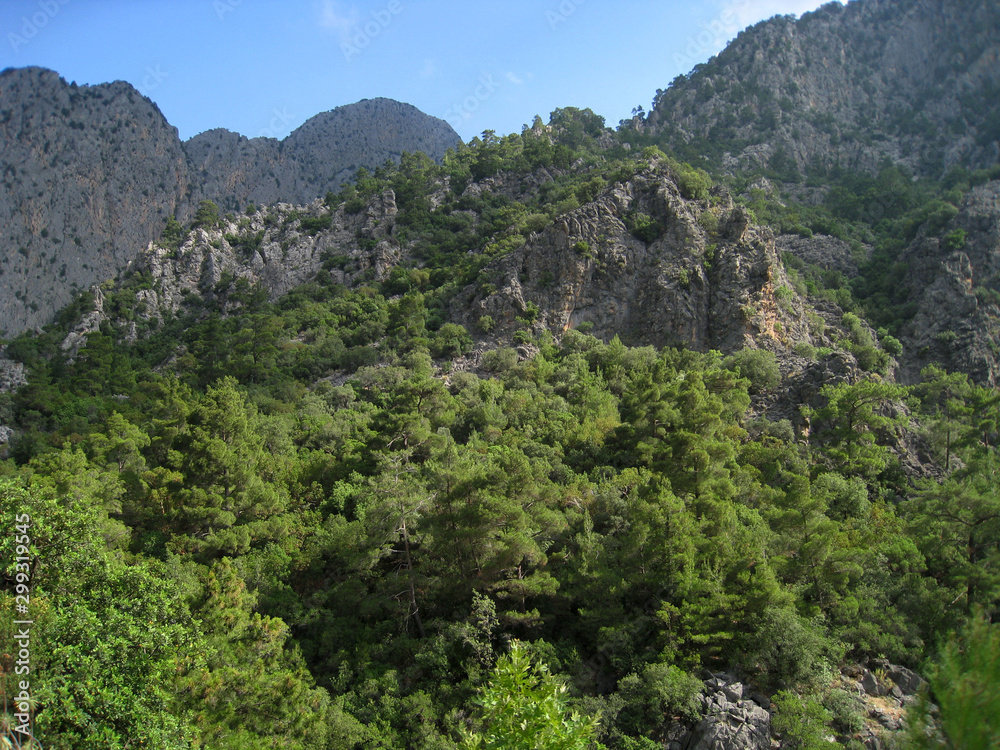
[878, 123]
[318, 156]
[696, 454]
[383, 415]
[912, 82]
[91, 173]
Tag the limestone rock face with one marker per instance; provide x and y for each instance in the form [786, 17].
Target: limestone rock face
[688, 272]
[89, 175]
[953, 280]
[848, 85]
[732, 720]
[268, 250]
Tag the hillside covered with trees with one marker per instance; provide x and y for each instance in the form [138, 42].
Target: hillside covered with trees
[405, 467]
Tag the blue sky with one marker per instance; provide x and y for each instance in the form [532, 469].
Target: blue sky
[263, 67]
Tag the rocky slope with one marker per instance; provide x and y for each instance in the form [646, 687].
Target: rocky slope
[689, 272]
[848, 86]
[90, 174]
[953, 280]
[267, 249]
[708, 279]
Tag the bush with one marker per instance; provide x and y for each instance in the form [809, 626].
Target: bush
[759, 366]
[500, 360]
[643, 227]
[207, 216]
[804, 349]
[694, 183]
[451, 340]
[314, 224]
[801, 722]
[659, 693]
[787, 649]
[846, 711]
[954, 240]
[892, 346]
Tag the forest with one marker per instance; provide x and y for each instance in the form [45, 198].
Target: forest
[310, 522]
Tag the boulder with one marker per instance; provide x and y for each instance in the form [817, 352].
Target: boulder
[908, 681]
[730, 722]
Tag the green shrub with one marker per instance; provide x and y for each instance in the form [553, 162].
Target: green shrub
[846, 711]
[657, 694]
[787, 649]
[207, 216]
[759, 366]
[892, 346]
[801, 722]
[805, 349]
[643, 227]
[315, 224]
[451, 340]
[694, 183]
[954, 240]
[500, 360]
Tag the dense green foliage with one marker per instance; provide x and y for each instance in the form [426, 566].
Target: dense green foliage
[964, 678]
[298, 524]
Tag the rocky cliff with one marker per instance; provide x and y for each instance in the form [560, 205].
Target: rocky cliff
[651, 266]
[847, 86]
[90, 174]
[953, 280]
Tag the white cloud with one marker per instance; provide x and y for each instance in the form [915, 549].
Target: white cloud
[513, 78]
[334, 18]
[428, 70]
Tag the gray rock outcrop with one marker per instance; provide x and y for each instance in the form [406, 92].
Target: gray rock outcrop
[703, 276]
[953, 283]
[269, 250]
[732, 719]
[12, 375]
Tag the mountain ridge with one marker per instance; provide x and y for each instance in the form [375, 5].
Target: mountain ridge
[846, 86]
[91, 173]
